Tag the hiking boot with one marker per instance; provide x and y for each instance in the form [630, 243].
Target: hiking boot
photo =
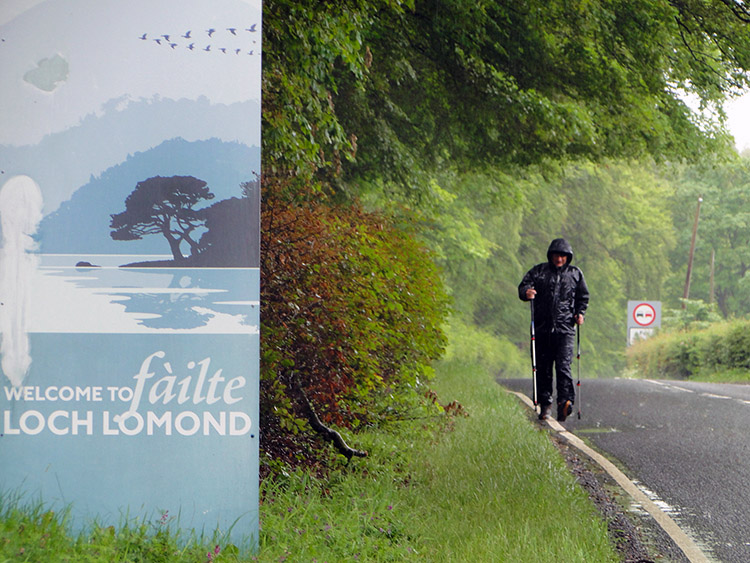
[544, 412]
[564, 409]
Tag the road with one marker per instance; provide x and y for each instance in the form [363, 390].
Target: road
[685, 443]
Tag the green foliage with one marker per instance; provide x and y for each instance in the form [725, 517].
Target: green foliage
[403, 89]
[472, 123]
[30, 533]
[630, 226]
[723, 228]
[307, 51]
[694, 315]
[488, 83]
[616, 217]
[494, 354]
[352, 317]
[719, 352]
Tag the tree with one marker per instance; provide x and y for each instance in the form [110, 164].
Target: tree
[165, 206]
[404, 86]
[724, 228]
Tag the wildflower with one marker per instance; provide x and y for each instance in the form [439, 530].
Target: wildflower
[164, 517]
[390, 507]
[213, 554]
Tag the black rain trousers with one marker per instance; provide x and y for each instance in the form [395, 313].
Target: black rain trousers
[555, 350]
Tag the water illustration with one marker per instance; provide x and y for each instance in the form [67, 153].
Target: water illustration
[104, 297]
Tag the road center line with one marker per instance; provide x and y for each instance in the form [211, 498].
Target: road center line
[669, 386]
[683, 541]
[712, 396]
[676, 388]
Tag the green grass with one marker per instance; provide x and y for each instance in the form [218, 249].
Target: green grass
[501, 491]
[492, 488]
[29, 532]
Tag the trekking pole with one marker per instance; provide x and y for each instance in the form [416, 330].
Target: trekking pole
[578, 359]
[533, 356]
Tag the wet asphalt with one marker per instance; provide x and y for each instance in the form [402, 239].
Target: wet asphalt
[686, 444]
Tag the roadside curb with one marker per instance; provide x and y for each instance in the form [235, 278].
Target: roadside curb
[670, 527]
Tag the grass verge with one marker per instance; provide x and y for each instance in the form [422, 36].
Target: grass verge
[487, 487]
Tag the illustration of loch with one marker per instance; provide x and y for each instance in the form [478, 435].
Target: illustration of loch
[190, 261]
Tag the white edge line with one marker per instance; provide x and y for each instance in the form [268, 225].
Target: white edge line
[683, 541]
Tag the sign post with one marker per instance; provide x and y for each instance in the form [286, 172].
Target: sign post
[129, 261]
[644, 317]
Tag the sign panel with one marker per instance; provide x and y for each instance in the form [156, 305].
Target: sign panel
[129, 279]
[643, 318]
[636, 334]
[644, 314]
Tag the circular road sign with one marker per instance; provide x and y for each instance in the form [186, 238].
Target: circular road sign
[644, 314]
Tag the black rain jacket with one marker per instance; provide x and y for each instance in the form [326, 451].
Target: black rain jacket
[561, 293]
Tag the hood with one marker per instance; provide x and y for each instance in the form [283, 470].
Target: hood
[560, 246]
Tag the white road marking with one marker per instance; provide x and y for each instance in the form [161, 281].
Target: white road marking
[683, 541]
[708, 395]
[676, 388]
[669, 386]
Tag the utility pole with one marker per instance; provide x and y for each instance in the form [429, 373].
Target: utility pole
[712, 293]
[686, 293]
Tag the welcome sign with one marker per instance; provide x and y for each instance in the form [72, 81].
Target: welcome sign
[129, 260]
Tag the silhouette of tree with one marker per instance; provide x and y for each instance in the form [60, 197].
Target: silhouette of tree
[163, 205]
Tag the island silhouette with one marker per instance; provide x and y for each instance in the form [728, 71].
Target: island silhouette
[225, 234]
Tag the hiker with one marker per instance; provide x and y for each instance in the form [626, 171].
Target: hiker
[560, 300]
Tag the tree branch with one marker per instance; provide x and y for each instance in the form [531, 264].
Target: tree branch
[328, 433]
[739, 10]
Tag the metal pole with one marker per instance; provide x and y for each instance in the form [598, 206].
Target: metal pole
[533, 356]
[578, 361]
[686, 293]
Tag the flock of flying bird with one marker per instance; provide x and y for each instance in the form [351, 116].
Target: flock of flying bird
[171, 41]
